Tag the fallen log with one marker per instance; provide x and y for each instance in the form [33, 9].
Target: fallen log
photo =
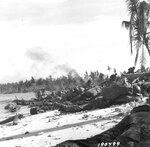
[11, 119]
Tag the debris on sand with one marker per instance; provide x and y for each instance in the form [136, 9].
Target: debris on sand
[122, 89]
[12, 107]
[133, 129]
[127, 89]
[13, 119]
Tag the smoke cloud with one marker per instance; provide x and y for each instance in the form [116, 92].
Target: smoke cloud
[38, 55]
[65, 68]
[41, 61]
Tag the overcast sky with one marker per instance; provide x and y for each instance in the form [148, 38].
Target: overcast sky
[39, 36]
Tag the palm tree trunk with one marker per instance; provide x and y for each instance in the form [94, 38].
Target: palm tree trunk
[143, 60]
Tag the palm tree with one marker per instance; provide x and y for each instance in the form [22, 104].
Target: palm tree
[138, 28]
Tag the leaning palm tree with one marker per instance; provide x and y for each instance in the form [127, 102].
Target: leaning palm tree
[138, 28]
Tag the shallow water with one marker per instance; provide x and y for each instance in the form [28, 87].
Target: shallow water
[7, 98]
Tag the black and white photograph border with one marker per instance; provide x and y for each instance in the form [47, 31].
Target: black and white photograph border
[75, 73]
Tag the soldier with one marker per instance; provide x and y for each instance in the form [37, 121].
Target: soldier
[16, 118]
[131, 70]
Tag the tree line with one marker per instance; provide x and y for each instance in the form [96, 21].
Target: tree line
[53, 84]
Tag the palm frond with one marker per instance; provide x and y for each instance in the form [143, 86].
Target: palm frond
[146, 43]
[126, 24]
[132, 5]
[138, 27]
[148, 49]
[148, 24]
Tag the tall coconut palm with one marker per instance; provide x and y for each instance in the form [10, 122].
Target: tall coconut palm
[138, 28]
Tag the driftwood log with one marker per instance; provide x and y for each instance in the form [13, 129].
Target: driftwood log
[11, 119]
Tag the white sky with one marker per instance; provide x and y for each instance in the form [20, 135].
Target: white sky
[36, 36]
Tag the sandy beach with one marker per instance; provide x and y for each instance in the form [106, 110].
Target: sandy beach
[51, 128]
